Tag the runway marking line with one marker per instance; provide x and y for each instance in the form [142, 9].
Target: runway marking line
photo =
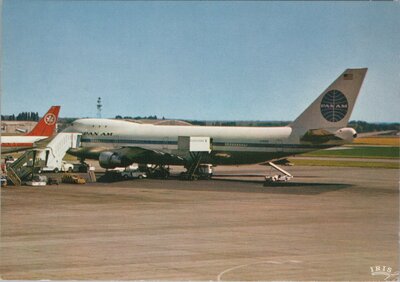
[253, 263]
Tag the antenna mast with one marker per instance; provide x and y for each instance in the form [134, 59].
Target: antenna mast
[99, 107]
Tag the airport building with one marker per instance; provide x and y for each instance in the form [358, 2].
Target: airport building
[17, 126]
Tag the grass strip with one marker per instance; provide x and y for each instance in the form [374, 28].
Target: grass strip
[358, 152]
[389, 141]
[345, 163]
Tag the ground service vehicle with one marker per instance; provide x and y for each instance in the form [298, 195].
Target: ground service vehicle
[64, 167]
[277, 178]
[205, 171]
[73, 178]
[133, 174]
[37, 180]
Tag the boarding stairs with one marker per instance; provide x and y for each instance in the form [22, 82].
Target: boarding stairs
[278, 178]
[13, 177]
[35, 160]
[23, 167]
[280, 169]
[55, 151]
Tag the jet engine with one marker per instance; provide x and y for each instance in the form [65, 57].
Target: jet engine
[112, 160]
[346, 133]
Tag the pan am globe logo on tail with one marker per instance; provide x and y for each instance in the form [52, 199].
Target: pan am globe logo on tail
[334, 106]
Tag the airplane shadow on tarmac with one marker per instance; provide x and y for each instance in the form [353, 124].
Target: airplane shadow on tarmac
[233, 185]
[295, 188]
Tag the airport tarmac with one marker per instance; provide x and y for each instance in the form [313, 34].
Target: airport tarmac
[329, 223]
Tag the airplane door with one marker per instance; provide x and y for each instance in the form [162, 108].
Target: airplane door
[78, 140]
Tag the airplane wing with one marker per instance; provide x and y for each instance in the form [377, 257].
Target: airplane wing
[375, 133]
[124, 156]
[41, 144]
[141, 155]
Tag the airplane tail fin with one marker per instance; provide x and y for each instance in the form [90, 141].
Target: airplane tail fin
[332, 109]
[46, 126]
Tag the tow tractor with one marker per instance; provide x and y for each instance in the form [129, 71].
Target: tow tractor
[37, 180]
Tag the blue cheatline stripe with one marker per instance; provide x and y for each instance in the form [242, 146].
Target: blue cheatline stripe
[128, 141]
[222, 144]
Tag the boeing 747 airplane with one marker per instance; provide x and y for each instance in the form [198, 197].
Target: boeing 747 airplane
[323, 124]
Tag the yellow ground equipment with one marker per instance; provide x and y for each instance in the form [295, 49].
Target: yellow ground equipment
[73, 178]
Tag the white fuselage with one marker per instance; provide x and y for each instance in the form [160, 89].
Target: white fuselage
[230, 145]
[17, 143]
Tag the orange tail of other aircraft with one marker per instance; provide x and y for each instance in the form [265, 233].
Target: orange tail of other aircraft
[46, 126]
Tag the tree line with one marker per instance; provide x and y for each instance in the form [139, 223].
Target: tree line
[363, 126]
[24, 116]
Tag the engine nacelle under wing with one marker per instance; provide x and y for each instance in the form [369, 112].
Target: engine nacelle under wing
[112, 160]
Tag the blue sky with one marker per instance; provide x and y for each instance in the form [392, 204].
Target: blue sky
[197, 60]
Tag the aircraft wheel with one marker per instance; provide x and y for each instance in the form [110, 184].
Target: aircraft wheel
[56, 170]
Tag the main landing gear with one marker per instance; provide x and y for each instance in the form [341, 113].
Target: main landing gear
[157, 171]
